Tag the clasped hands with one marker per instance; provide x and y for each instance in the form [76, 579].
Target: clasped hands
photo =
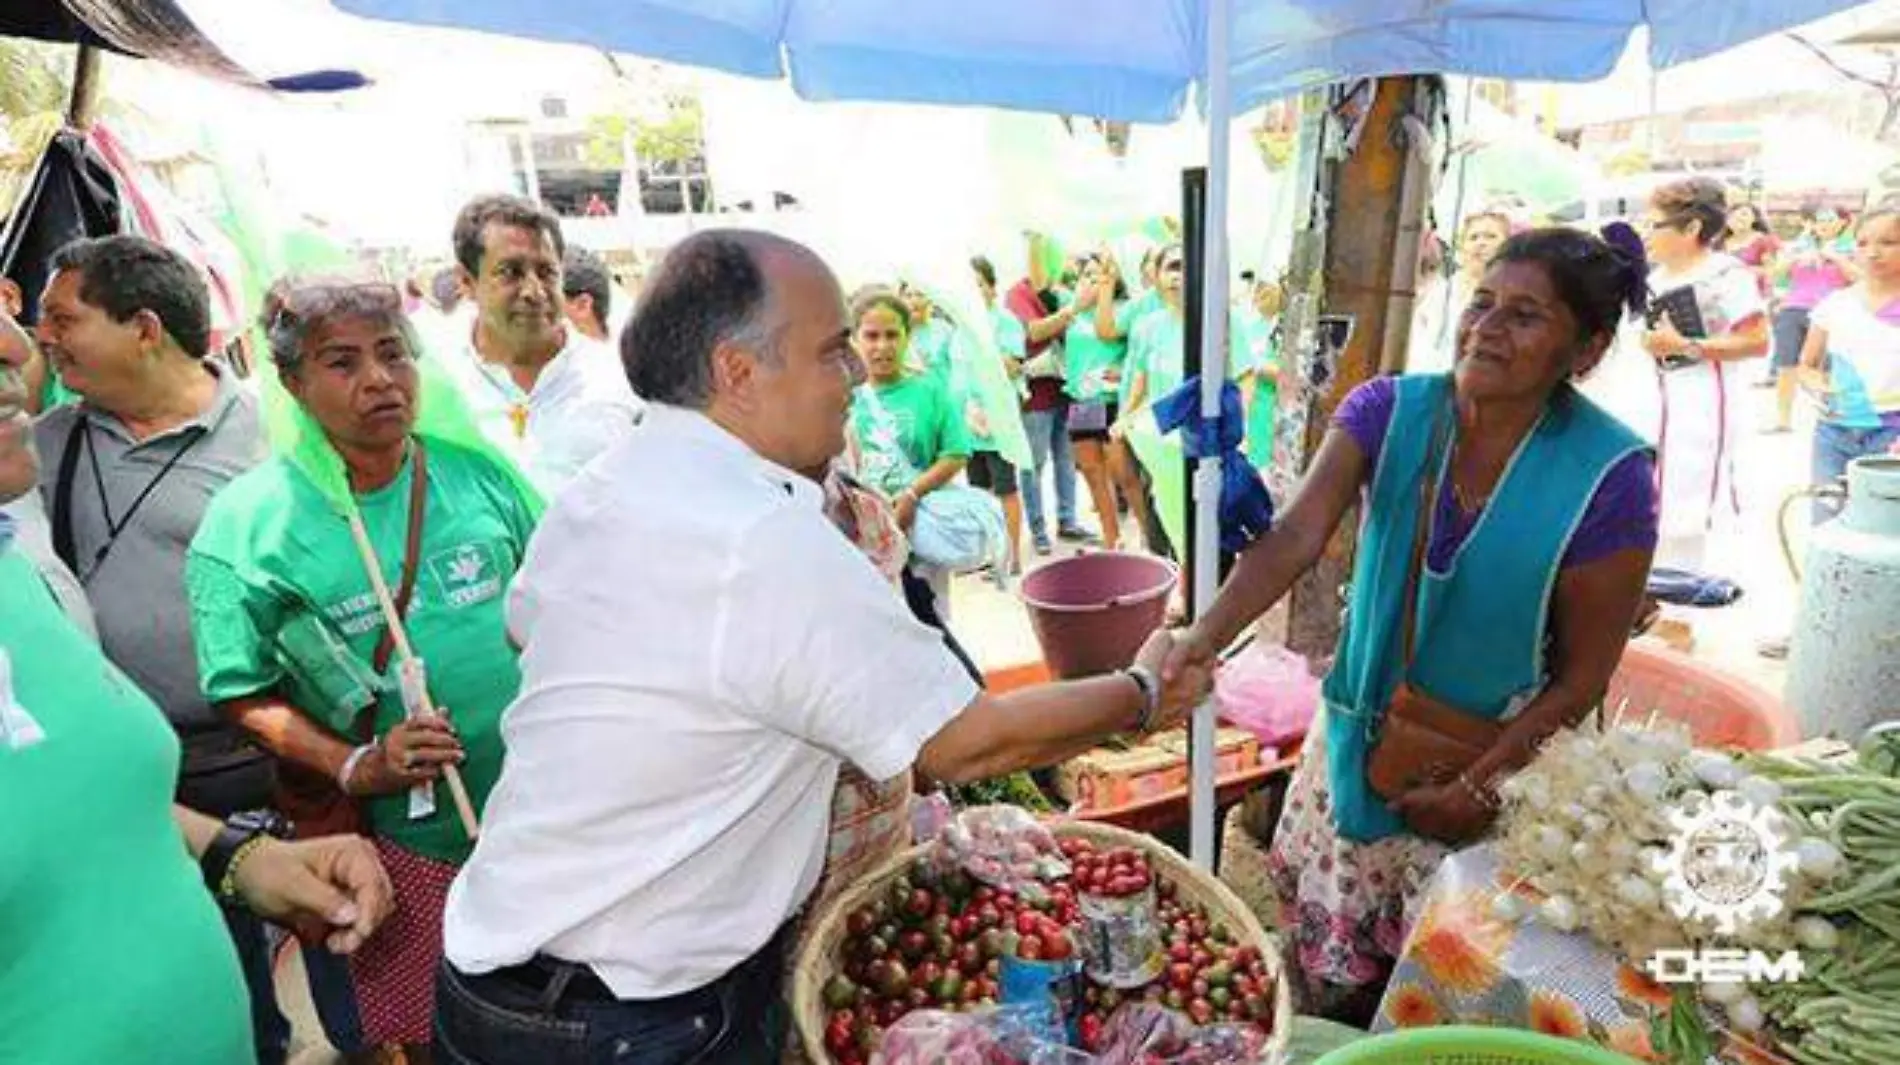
[1185, 669]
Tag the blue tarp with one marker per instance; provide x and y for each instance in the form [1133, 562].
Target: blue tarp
[1116, 59]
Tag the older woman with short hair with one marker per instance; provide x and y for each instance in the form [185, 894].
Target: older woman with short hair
[292, 643]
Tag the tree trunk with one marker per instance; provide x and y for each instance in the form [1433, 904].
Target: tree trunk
[1367, 234]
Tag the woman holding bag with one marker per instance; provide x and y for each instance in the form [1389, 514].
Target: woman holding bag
[912, 443]
[1511, 521]
[292, 641]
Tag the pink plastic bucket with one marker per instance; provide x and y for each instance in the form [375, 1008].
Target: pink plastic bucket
[1092, 612]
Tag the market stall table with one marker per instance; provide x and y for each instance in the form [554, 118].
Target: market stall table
[1462, 964]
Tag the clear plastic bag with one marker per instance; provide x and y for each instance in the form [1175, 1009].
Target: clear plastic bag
[1138, 1034]
[1005, 847]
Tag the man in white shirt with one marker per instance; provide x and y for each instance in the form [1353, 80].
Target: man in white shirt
[548, 396]
[701, 651]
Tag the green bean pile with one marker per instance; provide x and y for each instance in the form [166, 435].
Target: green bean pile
[1846, 1011]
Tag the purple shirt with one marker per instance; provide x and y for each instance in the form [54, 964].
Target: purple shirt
[1620, 517]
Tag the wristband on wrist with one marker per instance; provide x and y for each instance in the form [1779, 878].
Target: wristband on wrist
[355, 759]
[1150, 688]
[236, 841]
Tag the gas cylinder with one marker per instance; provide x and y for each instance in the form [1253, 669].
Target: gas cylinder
[1844, 661]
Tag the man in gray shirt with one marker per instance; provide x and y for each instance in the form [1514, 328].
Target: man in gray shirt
[125, 476]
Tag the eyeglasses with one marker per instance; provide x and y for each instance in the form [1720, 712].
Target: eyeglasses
[1171, 266]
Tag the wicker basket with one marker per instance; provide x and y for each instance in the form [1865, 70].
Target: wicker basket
[818, 959]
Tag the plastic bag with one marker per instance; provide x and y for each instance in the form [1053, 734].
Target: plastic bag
[1143, 1033]
[1270, 692]
[1005, 847]
[1000, 1036]
[1138, 1034]
[959, 528]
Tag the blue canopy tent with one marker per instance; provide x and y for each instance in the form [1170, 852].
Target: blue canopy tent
[1131, 60]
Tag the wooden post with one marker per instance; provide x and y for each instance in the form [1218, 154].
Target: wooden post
[1367, 232]
[84, 98]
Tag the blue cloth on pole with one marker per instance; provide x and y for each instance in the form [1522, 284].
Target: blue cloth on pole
[1246, 508]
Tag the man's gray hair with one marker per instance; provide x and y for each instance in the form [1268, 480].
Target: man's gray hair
[710, 290]
[296, 308]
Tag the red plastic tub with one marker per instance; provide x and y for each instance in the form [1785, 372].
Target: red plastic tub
[1092, 612]
[1721, 709]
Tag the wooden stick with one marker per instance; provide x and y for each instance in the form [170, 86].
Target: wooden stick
[400, 636]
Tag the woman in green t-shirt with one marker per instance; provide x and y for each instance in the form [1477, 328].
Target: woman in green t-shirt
[910, 433]
[114, 948]
[1095, 358]
[292, 641]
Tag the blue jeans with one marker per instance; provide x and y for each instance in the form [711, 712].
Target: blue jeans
[270, 1032]
[1048, 432]
[1834, 447]
[527, 1015]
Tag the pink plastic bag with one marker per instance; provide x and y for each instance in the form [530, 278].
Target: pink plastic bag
[1270, 692]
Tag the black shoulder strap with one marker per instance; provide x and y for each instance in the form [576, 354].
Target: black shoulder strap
[62, 516]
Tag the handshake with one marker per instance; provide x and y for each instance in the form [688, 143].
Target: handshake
[1184, 662]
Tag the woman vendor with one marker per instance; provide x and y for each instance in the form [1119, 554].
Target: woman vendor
[292, 641]
[115, 948]
[1541, 523]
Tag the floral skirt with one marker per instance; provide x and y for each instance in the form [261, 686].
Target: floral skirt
[393, 975]
[1346, 906]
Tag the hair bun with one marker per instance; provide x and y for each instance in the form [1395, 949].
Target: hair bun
[1628, 246]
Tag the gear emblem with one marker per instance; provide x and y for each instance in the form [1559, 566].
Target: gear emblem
[1727, 863]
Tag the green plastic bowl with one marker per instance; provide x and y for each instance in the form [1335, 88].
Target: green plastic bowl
[1456, 1045]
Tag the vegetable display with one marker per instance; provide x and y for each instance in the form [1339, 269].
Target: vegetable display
[1631, 835]
[941, 934]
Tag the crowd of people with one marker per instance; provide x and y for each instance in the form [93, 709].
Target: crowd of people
[544, 735]
[434, 652]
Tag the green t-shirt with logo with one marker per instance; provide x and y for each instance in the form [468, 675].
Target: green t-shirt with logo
[1092, 368]
[903, 428]
[275, 581]
[114, 950]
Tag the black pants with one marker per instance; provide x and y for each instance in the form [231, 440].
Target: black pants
[548, 1012]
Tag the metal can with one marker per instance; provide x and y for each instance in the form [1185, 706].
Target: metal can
[1120, 939]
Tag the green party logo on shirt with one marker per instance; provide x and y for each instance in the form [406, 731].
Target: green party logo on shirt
[468, 574]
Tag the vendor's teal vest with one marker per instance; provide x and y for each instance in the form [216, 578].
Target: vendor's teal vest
[1482, 626]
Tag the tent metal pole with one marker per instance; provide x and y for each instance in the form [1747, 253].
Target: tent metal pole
[1206, 498]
